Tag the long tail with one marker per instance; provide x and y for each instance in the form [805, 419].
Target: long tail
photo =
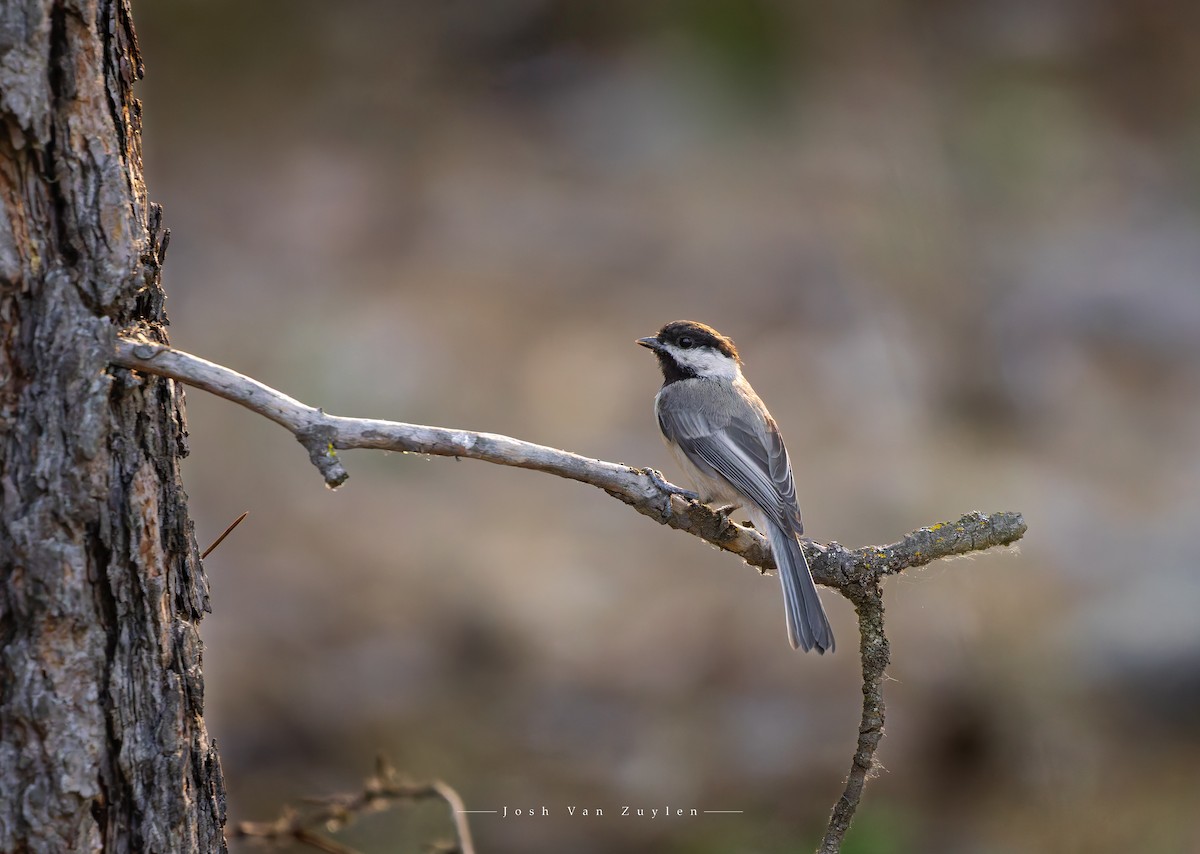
[807, 624]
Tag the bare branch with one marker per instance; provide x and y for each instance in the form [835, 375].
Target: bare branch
[323, 435]
[856, 574]
[382, 791]
[875, 653]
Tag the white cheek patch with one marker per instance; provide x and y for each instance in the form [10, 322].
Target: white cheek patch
[706, 362]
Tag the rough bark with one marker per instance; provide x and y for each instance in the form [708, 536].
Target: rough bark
[102, 739]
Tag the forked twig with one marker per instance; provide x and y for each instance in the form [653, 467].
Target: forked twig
[856, 574]
[382, 791]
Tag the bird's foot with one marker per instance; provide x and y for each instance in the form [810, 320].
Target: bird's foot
[670, 489]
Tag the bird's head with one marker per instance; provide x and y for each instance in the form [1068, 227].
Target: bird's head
[690, 350]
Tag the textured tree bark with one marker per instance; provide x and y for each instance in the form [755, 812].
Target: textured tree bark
[102, 739]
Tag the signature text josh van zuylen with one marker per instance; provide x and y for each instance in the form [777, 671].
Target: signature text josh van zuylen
[623, 811]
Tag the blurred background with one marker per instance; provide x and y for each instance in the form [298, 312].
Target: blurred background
[958, 244]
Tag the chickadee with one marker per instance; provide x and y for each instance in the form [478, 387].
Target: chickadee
[727, 441]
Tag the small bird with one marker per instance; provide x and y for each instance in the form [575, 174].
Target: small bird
[728, 443]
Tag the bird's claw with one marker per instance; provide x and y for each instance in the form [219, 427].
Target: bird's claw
[670, 489]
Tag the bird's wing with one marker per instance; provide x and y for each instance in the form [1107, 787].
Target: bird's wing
[754, 461]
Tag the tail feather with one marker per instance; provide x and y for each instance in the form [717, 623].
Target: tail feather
[807, 625]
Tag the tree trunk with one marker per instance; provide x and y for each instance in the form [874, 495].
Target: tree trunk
[102, 739]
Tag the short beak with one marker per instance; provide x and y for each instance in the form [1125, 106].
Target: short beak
[652, 343]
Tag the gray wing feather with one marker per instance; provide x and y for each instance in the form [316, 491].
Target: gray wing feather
[755, 462]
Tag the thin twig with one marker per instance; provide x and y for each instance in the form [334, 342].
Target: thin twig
[382, 791]
[321, 843]
[458, 812]
[224, 534]
[856, 574]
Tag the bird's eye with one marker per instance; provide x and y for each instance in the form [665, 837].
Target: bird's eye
[686, 343]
